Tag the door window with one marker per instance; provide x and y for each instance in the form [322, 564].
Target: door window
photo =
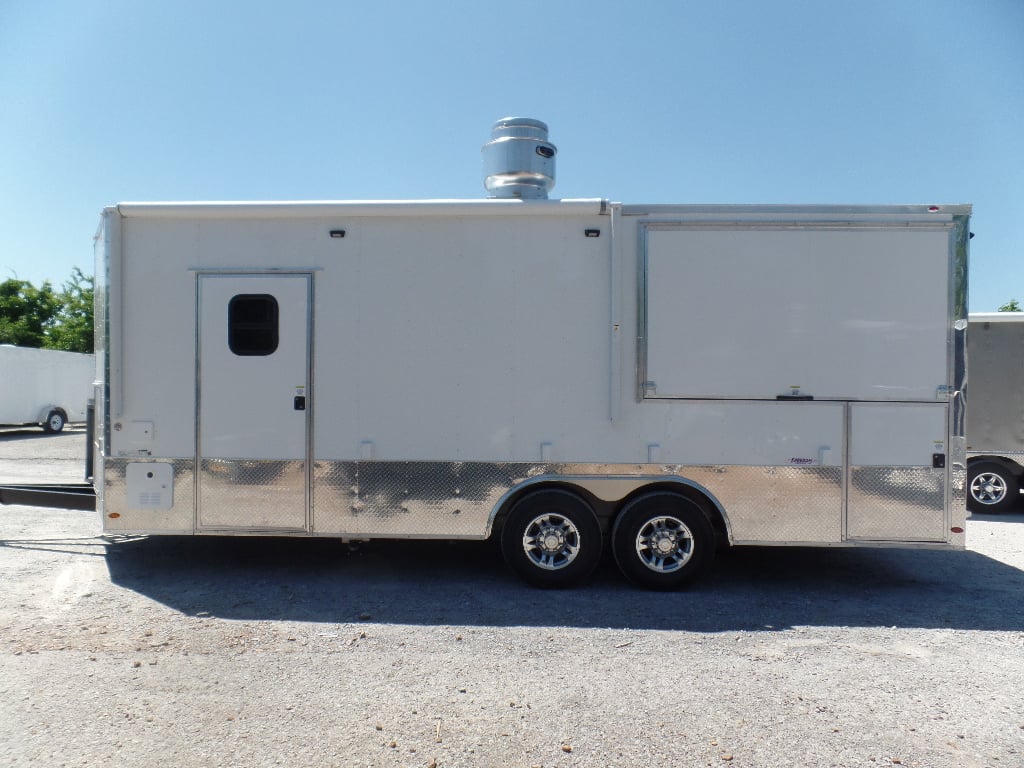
[253, 325]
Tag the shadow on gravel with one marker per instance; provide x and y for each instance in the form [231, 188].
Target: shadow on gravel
[466, 584]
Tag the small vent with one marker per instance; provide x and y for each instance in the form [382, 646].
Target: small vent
[150, 500]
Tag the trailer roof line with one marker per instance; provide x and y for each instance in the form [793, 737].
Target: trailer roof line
[322, 208]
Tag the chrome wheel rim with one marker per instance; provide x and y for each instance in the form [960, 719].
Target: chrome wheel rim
[551, 541]
[988, 488]
[664, 544]
[56, 422]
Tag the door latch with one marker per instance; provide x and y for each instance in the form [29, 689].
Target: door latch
[300, 402]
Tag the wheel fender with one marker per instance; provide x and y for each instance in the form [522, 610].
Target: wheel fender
[45, 412]
[1012, 466]
[612, 488]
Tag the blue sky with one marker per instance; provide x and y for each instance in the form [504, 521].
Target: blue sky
[795, 101]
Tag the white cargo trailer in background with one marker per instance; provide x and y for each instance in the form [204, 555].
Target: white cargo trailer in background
[995, 413]
[44, 387]
[570, 375]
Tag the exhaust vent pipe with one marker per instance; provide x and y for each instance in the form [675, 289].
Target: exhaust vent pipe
[519, 161]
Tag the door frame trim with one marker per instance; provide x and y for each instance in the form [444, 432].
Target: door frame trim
[309, 274]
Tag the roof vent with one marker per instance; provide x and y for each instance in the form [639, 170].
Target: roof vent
[519, 161]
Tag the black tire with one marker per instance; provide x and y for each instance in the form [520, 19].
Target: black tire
[551, 539]
[54, 422]
[992, 487]
[662, 540]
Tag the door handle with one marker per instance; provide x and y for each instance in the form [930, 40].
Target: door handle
[300, 402]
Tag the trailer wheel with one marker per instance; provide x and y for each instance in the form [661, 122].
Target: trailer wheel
[662, 541]
[991, 487]
[551, 538]
[54, 422]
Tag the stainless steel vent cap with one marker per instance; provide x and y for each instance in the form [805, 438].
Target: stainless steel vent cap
[519, 161]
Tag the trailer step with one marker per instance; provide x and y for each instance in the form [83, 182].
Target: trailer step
[55, 495]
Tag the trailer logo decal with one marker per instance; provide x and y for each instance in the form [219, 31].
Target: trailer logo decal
[800, 460]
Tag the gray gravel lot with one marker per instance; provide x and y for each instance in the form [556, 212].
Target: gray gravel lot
[251, 652]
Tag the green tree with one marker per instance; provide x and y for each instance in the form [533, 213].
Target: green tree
[26, 312]
[42, 317]
[72, 329]
[1011, 306]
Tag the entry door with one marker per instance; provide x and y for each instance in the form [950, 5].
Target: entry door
[253, 388]
[898, 473]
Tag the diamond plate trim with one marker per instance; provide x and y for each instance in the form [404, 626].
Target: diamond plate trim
[958, 492]
[897, 504]
[252, 495]
[179, 519]
[432, 500]
[456, 500]
[777, 504]
[410, 499]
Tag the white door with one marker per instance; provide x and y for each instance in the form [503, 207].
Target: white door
[253, 402]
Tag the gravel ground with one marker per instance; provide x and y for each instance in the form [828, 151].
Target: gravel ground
[251, 652]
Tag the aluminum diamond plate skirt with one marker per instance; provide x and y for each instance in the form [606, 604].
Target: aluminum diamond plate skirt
[457, 500]
[897, 504]
[120, 517]
[778, 504]
[412, 499]
[259, 495]
[430, 499]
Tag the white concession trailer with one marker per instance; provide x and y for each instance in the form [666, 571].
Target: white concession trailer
[571, 376]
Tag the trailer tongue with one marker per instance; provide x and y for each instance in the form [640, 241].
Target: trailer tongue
[55, 495]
